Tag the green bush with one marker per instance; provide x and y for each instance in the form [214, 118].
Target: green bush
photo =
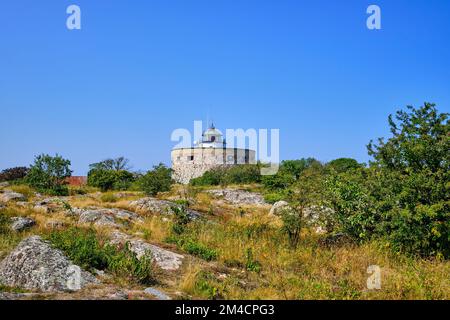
[110, 179]
[292, 225]
[49, 174]
[251, 264]
[83, 247]
[181, 219]
[226, 175]
[212, 177]
[288, 173]
[157, 180]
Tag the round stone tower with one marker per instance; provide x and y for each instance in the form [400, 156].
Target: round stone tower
[211, 152]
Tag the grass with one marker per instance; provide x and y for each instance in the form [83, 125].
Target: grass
[274, 271]
[90, 251]
[108, 197]
[236, 256]
[24, 189]
[8, 238]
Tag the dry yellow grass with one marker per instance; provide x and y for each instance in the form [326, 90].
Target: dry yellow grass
[312, 271]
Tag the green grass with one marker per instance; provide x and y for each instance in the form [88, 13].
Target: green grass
[85, 248]
[194, 248]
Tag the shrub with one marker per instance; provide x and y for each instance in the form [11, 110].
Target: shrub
[251, 264]
[83, 247]
[48, 174]
[212, 177]
[411, 181]
[288, 173]
[181, 219]
[226, 175]
[157, 180]
[193, 247]
[292, 225]
[13, 174]
[110, 179]
[204, 286]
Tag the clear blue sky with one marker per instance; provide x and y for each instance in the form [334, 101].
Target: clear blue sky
[139, 69]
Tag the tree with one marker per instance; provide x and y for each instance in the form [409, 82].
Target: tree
[13, 174]
[49, 174]
[344, 164]
[410, 181]
[117, 164]
[420, 141]
[110, 179]
[157, 180]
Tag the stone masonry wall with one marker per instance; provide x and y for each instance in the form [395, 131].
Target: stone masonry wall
[189, 163]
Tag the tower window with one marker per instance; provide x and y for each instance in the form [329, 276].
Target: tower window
[213, 138]
[190, 158]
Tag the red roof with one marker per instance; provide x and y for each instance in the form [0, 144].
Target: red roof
[77, 181]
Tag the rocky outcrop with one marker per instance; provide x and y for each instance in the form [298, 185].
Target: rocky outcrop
[49, 205]
[165, 259]
[9, 195]
[239, 197]
[21, 223]
[278, 208]
[157, 294]
[35, 265]
[104, 216]
[152, 205]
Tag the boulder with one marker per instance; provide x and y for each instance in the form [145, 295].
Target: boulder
[9, 195]
[157, 294]
[104, 216]
[163, 258]
[152, 205]
[21, 223]
[35, 265]
[55, 224]
[4, 184]
[49, 205]
[239, 197]
[278, 207]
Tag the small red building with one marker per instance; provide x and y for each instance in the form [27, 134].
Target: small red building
[77, 181]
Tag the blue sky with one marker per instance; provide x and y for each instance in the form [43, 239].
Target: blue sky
[139, 69]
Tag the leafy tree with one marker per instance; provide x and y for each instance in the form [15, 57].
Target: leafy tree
[157, 180]
[415, 175]
[420, 141]
[117, 164]
[103, 179]
[343, 165]
[13, 174]
[49, 174]
[288, 173]
[110, 179]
